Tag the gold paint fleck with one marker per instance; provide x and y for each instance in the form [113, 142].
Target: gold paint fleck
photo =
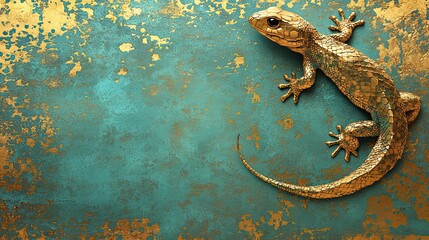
[30, 142]
[89, 12]
[53, 150]
[20, 83]
[3, 88]
[255, 136]
[110, 15]
[231, 22]
[251, 89]
[123, 71]
[127, 12]
[286, 122]
[291, 3]
[76, 68]
[287, 205]
[155, 57]
[126, 47]
[239, 60]
[159, 41]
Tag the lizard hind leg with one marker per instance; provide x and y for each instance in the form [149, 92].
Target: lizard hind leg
[412, 104]
[348, 139]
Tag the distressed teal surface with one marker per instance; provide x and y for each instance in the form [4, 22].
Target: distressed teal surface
[159, 141]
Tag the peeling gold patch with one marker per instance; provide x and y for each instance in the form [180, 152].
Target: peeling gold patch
[177, 9]
[23, 20]
[357, 4]
[381, 216]
[411, 187]
[406, 49]
[246, 224]
[127, 12]
[276, 219]
[11, 215]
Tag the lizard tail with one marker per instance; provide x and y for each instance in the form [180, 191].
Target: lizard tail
[382, 158]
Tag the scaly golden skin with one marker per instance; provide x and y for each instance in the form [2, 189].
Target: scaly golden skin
[359, 78]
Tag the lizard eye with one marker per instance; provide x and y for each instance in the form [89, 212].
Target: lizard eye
[272, 22]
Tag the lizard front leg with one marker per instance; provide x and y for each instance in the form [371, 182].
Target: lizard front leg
[297, 85]
[347, 139]
[345, 26]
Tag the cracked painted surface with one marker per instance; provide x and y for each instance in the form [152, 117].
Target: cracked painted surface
[118, 120]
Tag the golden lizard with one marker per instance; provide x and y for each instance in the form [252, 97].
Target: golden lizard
[359, 78]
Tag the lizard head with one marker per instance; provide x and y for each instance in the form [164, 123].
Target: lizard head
[283, 27]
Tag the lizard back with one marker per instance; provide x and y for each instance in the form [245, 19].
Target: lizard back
[357, 76]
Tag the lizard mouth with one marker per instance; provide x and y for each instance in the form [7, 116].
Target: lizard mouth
[289, 40]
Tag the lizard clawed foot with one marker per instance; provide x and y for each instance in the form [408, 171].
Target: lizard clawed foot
[293, 88]
[345, 23]
[345, 141]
